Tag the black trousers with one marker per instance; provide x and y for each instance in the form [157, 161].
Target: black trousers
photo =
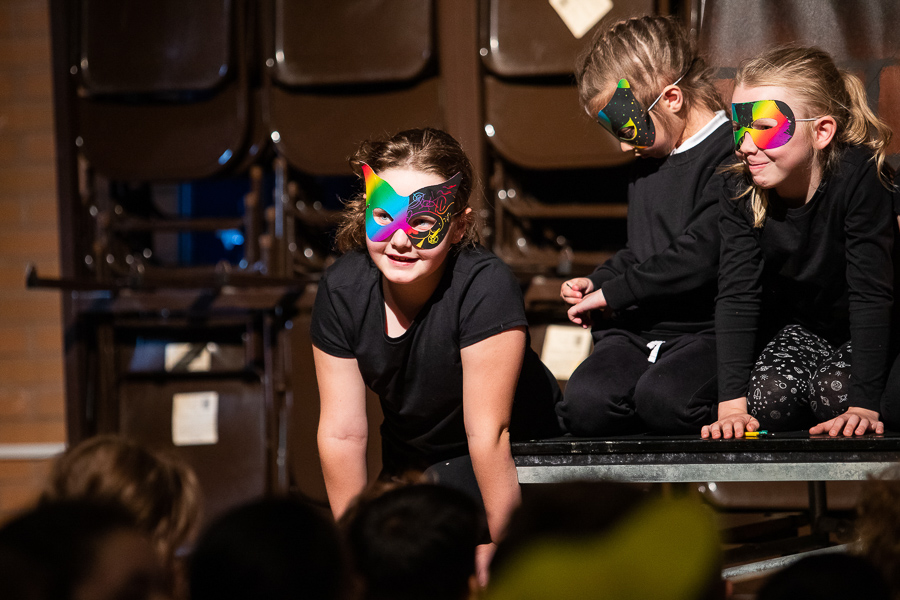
[626, 386]
[799, 380]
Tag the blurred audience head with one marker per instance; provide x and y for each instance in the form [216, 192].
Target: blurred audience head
[161, 491]
[413, 542]
[607, 540]
[826, 577]
[272, 549]
[78, 550]
[878, 525]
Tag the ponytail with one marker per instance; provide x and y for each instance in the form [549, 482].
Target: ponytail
[865, 128]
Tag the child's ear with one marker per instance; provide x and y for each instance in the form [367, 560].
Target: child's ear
[461, 226]
[824, 129]
[672, 98]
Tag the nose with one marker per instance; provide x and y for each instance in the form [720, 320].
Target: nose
[400, 240]
[747, 146]
[626, 147]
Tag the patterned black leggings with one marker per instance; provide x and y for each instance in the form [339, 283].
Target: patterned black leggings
[798, 381]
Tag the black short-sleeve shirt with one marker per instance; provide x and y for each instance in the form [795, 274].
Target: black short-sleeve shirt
[418, 375]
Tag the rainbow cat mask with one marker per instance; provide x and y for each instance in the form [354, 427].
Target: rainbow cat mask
[424, 216]
[770, 123]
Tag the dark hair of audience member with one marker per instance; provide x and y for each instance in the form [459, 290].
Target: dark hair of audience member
[77, 549]
[274, 548]
[415, 542]
[826, 577]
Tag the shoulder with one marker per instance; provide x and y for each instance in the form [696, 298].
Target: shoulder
[478, 260]
[479, 271]
[855, 174]
[856, 162]
[351, 268]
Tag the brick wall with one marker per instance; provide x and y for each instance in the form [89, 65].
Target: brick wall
[31, 365]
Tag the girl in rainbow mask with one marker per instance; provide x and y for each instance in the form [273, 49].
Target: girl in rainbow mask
[653, 366]
[434, 324]
[806, 273]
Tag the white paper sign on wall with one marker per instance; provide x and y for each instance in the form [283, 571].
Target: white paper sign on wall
[195, 418]
[565, 347]
[580, 15]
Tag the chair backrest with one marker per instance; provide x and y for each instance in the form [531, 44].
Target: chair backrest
[532, 111]
[162, 87]
[341, 72]
[155, 48]
[323, 42]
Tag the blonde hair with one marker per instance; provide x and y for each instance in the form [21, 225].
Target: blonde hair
[823, 89]
[427, 150]
[651, 52]
[160, 491]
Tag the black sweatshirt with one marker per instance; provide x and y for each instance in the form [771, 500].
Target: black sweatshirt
[663, 283]
[825, 265]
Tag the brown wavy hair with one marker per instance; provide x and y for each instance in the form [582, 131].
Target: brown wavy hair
[822, 89]
[651, 52]
[159, 490]
[427, 150]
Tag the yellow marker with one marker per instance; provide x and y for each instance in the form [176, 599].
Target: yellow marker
[755, 434]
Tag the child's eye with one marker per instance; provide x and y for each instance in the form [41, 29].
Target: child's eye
[627, 133]
[382, 217]
[735, 126]
[422, 223]
[763, 124]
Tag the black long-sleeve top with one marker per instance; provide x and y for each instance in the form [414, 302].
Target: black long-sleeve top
[663, 283]
[825, 265]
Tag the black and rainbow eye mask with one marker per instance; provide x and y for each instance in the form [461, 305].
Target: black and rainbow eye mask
[424, 215]
[624, 117]
[770, 123]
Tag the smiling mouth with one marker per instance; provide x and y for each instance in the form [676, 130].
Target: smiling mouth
[402, 259]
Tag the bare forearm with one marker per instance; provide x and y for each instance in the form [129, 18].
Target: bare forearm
[497, 479]
[344, 468]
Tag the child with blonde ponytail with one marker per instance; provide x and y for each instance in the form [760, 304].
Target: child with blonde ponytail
[806, 271]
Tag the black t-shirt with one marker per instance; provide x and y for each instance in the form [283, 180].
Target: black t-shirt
[663, 283]
[825, 265]
[418, 375]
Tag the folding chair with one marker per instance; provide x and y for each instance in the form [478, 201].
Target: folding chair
[553, 167]
[335, 75]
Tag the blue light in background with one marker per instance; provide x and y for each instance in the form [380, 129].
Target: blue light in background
[230, 238]
[226, 156]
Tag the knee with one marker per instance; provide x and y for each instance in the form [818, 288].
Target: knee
[672, 408]
[585, 408]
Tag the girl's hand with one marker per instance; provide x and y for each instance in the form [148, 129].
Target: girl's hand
[580, 314]
[733, 421]
[856, 421]
[574, 290]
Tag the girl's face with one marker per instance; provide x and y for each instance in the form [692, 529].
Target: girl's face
[790, 167]
[639, 130]
[398, 259]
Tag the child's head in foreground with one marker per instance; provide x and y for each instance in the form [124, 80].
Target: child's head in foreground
[416, 541]
[161, 491]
